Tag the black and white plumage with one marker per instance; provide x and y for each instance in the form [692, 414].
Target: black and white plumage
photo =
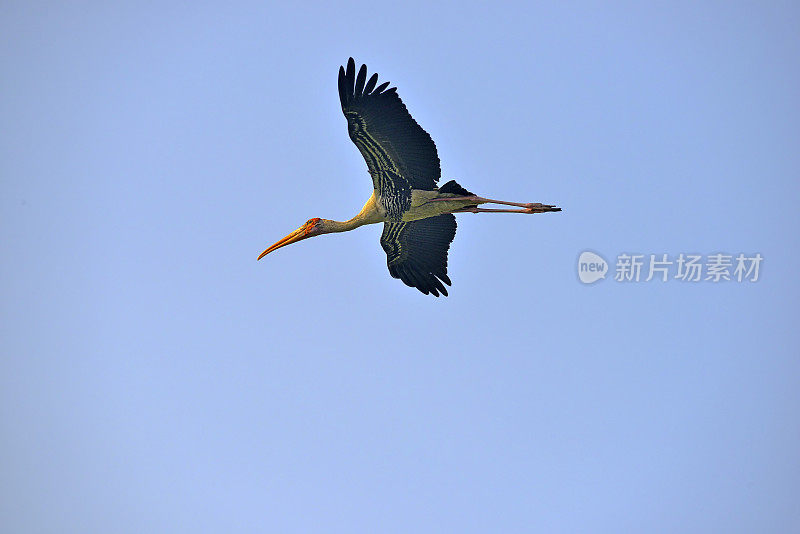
[416, 251]
[400, 156]
[404, 165]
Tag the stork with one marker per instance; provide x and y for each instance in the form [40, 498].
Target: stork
[417, 216]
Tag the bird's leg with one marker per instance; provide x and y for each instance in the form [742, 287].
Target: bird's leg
[492, 201]
[529, 207]
[481, 200]
[475, 209]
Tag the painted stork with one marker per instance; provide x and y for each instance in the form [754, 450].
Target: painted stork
[417, 216]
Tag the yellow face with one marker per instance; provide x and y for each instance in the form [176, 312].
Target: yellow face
[309, 229]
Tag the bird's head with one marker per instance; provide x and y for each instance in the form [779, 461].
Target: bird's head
[311, 228]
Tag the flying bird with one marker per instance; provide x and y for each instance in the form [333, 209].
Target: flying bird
[417, 216]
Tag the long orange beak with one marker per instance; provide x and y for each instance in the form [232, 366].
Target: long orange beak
[294, 237]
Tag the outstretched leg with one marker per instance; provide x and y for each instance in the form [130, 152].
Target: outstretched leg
[533, 208]
[530, 207]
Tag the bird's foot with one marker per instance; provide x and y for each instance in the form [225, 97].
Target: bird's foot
[536, 207]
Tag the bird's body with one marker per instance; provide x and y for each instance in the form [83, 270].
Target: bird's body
[404, 165]
[424, 204]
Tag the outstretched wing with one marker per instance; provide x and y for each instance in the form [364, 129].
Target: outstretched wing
[400, 155]
[416, 252]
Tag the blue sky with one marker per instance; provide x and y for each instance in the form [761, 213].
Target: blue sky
[155, 378]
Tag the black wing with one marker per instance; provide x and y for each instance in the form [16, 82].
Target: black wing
[416, 252]
[400, 155]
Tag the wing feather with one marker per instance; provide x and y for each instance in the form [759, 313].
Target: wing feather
[371, 83]
[400, 155]
[362, 76]
[380, 88]
[416, 252]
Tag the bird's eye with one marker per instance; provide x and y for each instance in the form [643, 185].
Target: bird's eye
[310, 225]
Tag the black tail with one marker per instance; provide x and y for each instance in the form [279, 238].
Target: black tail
[453, 187]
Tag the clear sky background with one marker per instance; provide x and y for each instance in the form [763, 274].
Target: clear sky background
[155, 378]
